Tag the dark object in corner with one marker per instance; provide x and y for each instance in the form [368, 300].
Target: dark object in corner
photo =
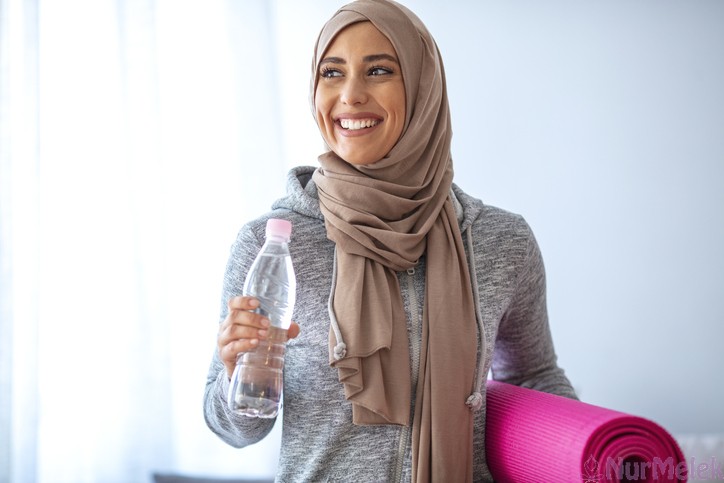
[171, 478]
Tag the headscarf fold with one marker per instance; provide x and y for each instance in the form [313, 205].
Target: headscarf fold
[383, 217]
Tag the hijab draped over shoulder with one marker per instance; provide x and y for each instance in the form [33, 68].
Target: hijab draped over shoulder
[383, 217]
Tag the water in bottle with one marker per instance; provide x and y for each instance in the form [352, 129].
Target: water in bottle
[256, 385]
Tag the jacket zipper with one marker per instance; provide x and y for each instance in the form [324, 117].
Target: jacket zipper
[415, 334]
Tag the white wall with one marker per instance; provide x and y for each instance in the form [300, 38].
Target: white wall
[603, 124]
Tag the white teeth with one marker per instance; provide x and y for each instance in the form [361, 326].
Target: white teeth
[355, 124]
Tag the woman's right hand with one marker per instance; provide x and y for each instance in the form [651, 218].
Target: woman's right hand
[242, 329]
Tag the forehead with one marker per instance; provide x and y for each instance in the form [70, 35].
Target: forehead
[360, 37]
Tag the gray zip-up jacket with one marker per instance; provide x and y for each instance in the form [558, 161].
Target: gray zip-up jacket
[319, 441]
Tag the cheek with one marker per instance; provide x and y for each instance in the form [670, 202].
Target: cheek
[321, 101]
[320, 119]
[395, 101]
[398, 111]
[401, 103]
[322, 110]
[318, 108]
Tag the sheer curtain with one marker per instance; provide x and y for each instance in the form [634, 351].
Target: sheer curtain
[135, 138]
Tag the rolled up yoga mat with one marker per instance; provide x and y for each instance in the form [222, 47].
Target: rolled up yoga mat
[531, 436]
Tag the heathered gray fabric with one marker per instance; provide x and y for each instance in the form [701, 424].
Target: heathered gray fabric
[319, 441]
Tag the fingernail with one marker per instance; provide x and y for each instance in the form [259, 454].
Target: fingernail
[254, 302]
[254, 341]
[262, 333]
[265, 322]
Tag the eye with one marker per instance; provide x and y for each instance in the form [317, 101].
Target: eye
[329, 72]
[377, 71]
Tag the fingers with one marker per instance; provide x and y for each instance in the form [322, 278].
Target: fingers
[241, 322]
[239, 313]
[231, 350]
[247, 327]
[243, 303]
[242, 329]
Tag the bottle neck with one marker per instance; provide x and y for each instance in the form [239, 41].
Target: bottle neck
[276, 239]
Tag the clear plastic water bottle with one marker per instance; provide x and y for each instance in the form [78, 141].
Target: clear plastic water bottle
[256, 385]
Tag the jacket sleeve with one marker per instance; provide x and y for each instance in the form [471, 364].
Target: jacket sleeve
[234, 429]
[524, 353]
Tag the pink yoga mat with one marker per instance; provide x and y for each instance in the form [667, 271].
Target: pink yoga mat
[531, 436]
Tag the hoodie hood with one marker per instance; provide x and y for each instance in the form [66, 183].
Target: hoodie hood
[302, 196]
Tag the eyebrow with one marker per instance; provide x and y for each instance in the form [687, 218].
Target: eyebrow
[367, 58]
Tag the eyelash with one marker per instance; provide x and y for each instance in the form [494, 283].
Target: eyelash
[386, 70]
[327, 72]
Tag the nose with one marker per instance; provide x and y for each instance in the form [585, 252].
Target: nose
[354, 91]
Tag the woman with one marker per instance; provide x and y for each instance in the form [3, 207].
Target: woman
[408, 290]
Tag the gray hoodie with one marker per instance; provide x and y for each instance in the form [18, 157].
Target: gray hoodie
[319, 441]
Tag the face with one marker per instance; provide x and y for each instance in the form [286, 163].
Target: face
[360, 97]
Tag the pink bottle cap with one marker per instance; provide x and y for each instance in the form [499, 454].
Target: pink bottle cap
[280, 228]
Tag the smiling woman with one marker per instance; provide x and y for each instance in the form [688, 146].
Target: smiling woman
[360, 96]
[128, 154]
[391, 259]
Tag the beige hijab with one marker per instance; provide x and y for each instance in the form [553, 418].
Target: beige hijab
[383, 217]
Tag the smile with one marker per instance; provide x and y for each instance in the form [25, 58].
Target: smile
[356, 124]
